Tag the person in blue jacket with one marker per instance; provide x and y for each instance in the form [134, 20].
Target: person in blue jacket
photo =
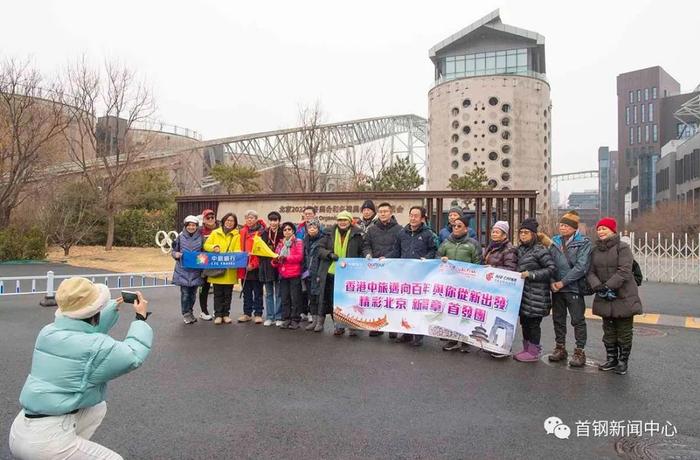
[63, 398]
[189, 279]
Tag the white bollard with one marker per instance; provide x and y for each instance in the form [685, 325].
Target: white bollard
[49, 299]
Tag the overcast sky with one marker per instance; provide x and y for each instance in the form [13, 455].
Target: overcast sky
[228, 68]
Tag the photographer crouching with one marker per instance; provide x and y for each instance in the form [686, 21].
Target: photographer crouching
[63, 399]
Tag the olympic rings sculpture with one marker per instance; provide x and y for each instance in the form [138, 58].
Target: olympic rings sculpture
[164, 240]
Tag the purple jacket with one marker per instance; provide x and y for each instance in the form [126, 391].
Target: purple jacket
[501, 255]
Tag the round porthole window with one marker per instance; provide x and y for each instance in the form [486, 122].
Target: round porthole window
[493, 101]
[492, 183]
[505, 177]
[454, 151]
[505, 148]
[493, 156]
[466, 103]
[493, 129]
[505, 163]
[505, 135]
[466, 157]
[455, 111]
[466, 130]
[455, 124]
[455, 138]
[455, 164]
[505, 121]
[505, 108]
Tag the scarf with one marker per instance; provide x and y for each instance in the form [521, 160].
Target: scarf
[340, 249]
[286, 247]
[496, 245]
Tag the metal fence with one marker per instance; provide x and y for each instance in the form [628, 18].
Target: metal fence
[667, 259]
[22, 285]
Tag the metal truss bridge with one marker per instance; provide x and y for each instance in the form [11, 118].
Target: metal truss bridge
[557, 178]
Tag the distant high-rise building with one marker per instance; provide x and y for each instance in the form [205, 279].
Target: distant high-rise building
[490, 108]
[607, 181]
[647, 102]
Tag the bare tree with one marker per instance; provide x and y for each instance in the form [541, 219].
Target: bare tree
[362, 165]
[70, 215]
[306, 152]
[106, 148]
[33, 116]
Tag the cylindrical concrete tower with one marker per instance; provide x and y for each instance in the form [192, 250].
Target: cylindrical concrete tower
[491, 108]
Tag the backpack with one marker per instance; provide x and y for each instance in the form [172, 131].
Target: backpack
[637, 272]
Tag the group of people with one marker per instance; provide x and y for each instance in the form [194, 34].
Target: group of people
[298, 284]
[63, 398]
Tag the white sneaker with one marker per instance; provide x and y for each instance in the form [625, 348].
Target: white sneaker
[279, 323]
[303, 317]
[268, 322]
[205, 317]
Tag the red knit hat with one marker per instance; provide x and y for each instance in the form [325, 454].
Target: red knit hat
[609, 222]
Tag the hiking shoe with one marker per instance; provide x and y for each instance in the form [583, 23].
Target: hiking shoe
[579, 358]
[303, 316]
[558, 354]
[452, 345]
[189, 318]
[258, 320]
[268, 322]
[227, 320]
[244, 318]
[218, 320]
[205, 316]
[621, 368]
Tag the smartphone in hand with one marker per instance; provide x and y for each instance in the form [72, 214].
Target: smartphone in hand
[129, 296]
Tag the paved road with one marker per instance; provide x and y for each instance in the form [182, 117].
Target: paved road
[246, 391]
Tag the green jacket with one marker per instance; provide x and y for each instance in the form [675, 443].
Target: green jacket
[74, 360]
[462, 249]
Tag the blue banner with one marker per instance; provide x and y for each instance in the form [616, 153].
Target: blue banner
[204, 260]
[471, 303]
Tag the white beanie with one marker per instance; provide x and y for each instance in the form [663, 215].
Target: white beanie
[503, 226]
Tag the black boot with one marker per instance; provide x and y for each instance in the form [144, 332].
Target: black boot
[611, 363]
[621, 367]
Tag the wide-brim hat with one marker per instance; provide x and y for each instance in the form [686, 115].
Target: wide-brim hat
[80, 298]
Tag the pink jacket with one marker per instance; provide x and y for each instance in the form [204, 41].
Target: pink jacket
[291, 266]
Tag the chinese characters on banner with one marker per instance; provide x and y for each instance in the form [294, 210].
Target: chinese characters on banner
[454, 300]
[203, 260]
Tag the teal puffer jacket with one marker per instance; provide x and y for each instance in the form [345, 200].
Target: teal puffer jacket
[73, 361]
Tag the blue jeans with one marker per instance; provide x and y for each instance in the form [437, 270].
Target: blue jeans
[253, 298]
[188, 295]
[273, 301]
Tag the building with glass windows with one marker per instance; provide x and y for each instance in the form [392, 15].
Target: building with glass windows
[490, 108]
[647, 101]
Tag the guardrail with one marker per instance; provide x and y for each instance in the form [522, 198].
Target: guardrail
[24, 285]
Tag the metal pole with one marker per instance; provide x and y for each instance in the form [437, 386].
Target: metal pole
[49, 299]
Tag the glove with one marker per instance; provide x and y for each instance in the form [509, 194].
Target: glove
[333, 256]
[368, 256]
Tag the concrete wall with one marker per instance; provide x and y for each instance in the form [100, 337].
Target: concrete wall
[529, 127]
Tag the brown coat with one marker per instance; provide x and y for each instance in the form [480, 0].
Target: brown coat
[611, 264]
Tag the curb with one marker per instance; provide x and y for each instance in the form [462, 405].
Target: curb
[656, 319]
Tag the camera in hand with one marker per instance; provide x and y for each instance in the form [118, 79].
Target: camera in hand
[129, 296]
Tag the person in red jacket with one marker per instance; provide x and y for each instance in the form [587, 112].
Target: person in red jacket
[252, 287]
[289, 265]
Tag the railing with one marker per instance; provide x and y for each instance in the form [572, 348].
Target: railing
[667, 259]
[152, 125]
[22, 285]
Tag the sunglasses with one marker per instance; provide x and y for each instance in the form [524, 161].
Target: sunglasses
[210, 216]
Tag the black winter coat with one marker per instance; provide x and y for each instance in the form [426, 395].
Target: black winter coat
[414, 244]
[380, 238]
[536, 259]
[611, 265]
[311, 263]
[325, 249]
[267, 272]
